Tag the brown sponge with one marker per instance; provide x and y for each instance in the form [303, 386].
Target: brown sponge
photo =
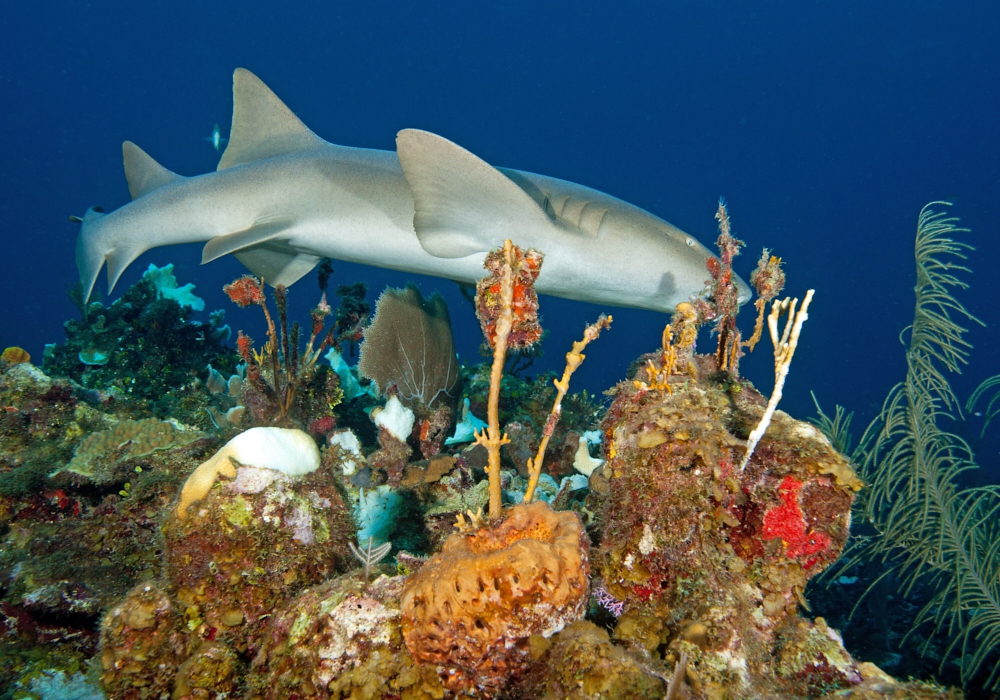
[472, 608]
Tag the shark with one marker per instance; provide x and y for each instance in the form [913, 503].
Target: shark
[282, 199]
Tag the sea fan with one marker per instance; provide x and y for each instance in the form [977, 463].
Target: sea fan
[930, 529]
[409, 345]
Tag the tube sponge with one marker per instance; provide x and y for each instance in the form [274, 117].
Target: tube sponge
[291, 452]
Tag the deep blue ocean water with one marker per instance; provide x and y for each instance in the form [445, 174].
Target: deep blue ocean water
[825, 125]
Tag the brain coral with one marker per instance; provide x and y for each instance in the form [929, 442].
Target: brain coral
[136, 438]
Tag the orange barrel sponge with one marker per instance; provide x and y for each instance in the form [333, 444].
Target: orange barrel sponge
[472, 608]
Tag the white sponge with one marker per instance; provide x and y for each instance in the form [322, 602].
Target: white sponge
[291, 452]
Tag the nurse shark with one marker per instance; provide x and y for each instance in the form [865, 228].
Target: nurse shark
[282, 199]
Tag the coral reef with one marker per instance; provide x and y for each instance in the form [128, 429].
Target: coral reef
[141, 644]
[341, 639]
[582, 662]
[183, 567]
[143, 348]
[689, 540]
[251, 543]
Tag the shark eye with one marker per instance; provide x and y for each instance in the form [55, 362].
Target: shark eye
[689, 241]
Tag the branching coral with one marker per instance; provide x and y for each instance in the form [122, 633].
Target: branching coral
[725, 296]
[574, 358]
[512, 273]
[784, 350]
[768, 279]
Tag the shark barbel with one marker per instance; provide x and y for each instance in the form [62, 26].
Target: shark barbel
[282, 199]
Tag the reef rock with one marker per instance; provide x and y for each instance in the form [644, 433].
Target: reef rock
[250, 544]
[341, 639]
[710, 560]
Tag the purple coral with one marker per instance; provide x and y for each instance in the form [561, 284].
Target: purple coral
[608, 601]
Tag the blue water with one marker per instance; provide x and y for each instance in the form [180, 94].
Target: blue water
[826, 126]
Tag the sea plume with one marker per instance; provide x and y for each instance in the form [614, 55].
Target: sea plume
[930, 528]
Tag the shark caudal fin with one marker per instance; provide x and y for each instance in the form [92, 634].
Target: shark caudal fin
[89, 254]
[97, 244]
[463, 205]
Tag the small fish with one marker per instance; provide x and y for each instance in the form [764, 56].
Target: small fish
[216, 138]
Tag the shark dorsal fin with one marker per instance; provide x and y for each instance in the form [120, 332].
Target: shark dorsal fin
[142, 172]
[263, 127]
[462, 204]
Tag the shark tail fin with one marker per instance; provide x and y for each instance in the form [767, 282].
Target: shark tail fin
[93, 249]
[142, 172]
[89, 253]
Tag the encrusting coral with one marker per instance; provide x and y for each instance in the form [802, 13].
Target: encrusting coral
[127, 438]
[141, 644]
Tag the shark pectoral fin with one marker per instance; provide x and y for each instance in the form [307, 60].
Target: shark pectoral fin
[142, 172]
[277, 266]
[463, 205]
[260, 232]
[263, 127]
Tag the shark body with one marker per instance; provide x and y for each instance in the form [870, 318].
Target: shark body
[283, 198]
